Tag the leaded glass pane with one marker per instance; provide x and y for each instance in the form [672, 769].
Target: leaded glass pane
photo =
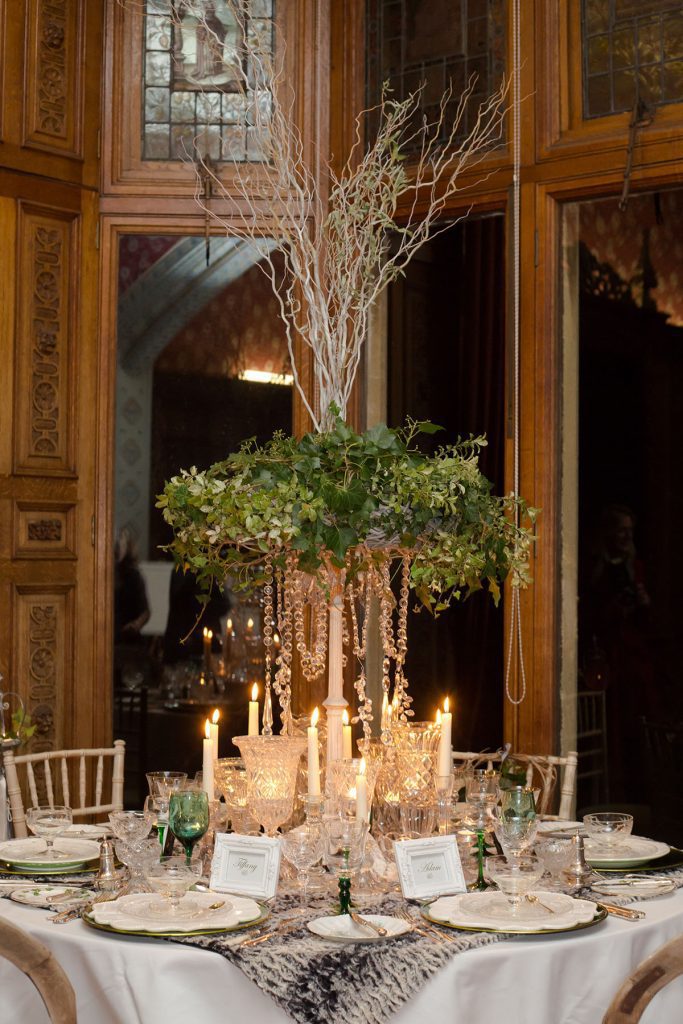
[436, 43]
[194, 57]
[632, 50]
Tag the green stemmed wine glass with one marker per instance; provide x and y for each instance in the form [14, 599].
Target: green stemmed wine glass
[188, 817]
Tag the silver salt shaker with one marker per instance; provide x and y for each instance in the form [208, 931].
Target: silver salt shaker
[107, 876]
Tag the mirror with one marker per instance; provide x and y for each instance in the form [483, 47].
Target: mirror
[202, 365]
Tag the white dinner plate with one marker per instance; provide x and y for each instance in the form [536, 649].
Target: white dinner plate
[631, 852]
[341, 928]
[130, 914]
[559, 826]
[51, 897]
[32, 854]
[491, 911]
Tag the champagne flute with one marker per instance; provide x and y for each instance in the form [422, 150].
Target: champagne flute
[188, 817]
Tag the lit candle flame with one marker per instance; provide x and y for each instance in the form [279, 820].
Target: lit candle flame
[209, 634]
[206, 632]
[361, 770]
[207, 729]
[445, 705]
[276, 639]
[228, 625]
[250, 623]
[254, 692]
[345, 717]
[314, 718]
[215, 716]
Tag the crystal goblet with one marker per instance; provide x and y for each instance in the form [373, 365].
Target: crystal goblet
[303, 847]
[188, 817]
[271, 763]
[171, 877]
[230, 776]
[48, 823]
[131, 826]
[554, 855]
[515, 877]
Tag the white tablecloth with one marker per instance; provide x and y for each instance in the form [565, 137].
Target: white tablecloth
[561, 980]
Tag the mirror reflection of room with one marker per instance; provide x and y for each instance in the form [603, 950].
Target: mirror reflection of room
[630, 264]
[202, 366]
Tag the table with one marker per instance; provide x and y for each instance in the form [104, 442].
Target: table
[557, 980]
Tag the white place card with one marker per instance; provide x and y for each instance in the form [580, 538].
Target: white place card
[246, 865]
[429, 867]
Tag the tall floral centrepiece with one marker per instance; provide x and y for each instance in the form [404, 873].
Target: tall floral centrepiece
[323, 522]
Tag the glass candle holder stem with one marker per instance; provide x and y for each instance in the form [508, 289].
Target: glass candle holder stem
[481, 853]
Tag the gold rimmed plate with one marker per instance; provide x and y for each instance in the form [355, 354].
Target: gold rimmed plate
[600, 915]
[41, 872]
[239, 927]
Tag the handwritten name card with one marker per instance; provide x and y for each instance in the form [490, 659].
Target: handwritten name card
[429, 867]
[246, 865]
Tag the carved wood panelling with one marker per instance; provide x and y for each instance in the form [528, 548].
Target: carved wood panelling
[53, 99]
[44, 529]
[43, 344]
[43, 642]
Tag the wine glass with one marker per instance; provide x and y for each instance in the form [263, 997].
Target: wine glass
[481, 794]
[188, 817]
[49, 822]
[303, 847]
[515, 877]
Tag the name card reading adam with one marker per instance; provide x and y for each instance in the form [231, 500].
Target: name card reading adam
[429, 867]
[246, 865]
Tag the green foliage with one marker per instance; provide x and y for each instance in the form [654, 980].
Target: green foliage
[339, 499]
[21, 729]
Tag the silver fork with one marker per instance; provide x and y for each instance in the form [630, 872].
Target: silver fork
[75, 912]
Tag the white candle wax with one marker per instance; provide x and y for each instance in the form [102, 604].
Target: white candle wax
[445, 753]
[213, 731]
[313, 757]
[252, 729]
[362, 794]
[207, 761]
[347, 738]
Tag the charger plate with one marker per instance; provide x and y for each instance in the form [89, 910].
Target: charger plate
[264, 914]
[71, 869]
[667, 862]
[599, 915]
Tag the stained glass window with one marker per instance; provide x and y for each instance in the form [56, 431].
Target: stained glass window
[632, 50]
[438, 43]
[191, 103]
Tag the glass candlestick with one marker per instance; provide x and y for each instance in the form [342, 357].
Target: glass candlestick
[444, 797]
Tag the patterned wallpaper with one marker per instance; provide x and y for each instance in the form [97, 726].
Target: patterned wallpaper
[137, 253]
[624, 239]
[239, 329]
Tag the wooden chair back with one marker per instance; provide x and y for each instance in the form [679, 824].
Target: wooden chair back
[642, 986]
[541, 773]
[37, 962]
[42, 790]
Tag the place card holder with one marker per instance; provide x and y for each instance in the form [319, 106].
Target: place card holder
[246, 865]
[429, 867]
